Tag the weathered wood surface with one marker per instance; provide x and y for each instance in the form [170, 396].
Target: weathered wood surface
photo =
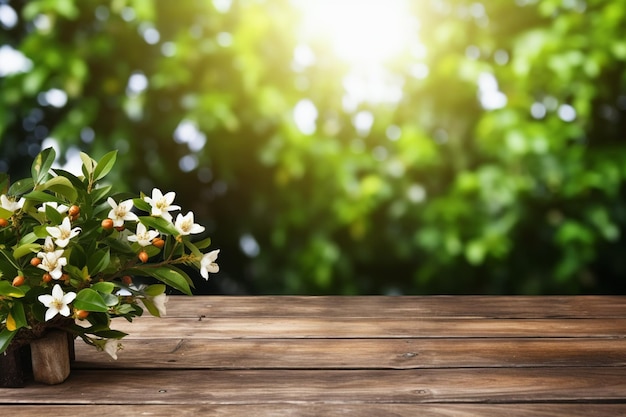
[360, 353]
[398, 307]
[323, 410]
[363, 356]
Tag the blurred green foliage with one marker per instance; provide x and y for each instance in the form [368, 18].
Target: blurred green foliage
[500, 168]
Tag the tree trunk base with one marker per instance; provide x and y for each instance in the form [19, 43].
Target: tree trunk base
[51, 358]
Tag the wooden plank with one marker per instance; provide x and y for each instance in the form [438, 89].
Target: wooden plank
[329, 410]
[332, 327]
[204, 387]
[394, 307]
[356, 353]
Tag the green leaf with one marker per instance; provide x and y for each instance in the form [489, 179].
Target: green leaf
[39, 232]
[9, 290]
[9, 256]
[76, 182]
[53, 215]
[110, 334]
[31, 237]
[61, 186]
[151, 307]
[5, 214]
[124, 309]
[98, 261]
[26, 249]
[194, 250]
[17, 311]
[166, 275]
[159, 224]
[5, 339]
[105, 164]
[41, 165]
[103, 287]
[43, 197]
[203, 244]
[142, 205]
[88, 163]
[90, 300]
[100, 193]
[22, 186]
[154, 290]
[110, 300]
[117, 245]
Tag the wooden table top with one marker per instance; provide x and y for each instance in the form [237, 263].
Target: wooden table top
[362, 356]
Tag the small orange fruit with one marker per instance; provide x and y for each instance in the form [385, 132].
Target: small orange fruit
[18, 280]
[35, 261]
[158, 242]
[81, 314]
[46, 277]
[74, 211]
[143, 256]
[127, 279]
[107, 224]
[4, 222]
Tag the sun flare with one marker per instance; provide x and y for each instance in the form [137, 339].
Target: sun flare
[360, 32]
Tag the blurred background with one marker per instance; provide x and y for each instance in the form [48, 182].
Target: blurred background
[346, 146]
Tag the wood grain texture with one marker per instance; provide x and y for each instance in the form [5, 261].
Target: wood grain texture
[356, 353]
[327, 410]
[358, 356]
[335, 328]
[476, 385]
[466, 306]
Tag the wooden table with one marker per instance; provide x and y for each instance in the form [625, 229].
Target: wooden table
[362, 356]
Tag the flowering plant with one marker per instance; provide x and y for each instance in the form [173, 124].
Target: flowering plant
[70, 248]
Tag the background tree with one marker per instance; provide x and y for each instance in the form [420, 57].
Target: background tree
[480, 150]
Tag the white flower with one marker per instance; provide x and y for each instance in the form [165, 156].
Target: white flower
[162, 204]
[11, 205]
[159, 302]
[57, 303]
[52, 262]
[48, 245]
[185, 225]
[121, 212]
[207, 264]
[112, 346]
[143, 236]
[60, 208]
[63, 233]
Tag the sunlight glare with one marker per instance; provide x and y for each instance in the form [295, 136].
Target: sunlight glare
[360, 31]
[368, 36]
